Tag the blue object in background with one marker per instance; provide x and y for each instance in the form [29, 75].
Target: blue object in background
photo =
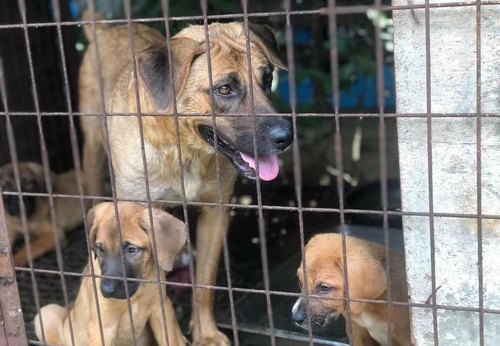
[362, 93]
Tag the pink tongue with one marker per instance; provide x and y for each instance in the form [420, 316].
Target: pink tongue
[268, 166]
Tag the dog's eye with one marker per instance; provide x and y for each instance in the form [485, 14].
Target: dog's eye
[322, 288]
[27, 184]
[268, 79]
[132, 250]
[98, 248]
[224, 89]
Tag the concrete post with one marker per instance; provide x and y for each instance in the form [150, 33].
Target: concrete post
[455, 152]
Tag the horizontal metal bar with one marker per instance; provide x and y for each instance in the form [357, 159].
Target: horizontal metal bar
[340, 10]
[267, 207]
[231, 115]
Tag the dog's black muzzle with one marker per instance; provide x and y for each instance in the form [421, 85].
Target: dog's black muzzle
[12, 202]
[115, 288]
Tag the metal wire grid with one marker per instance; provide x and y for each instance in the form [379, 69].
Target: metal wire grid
[332, 11]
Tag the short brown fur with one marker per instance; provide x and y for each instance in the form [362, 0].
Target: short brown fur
[367, 279]
[145, 303]
[191, 84]
[68, 210]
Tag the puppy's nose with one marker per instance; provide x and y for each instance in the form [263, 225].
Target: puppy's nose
[108, 287]
[298, 313]
[299, 316]
[281, 136]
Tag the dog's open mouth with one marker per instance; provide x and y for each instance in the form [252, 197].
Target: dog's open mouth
[246, 164]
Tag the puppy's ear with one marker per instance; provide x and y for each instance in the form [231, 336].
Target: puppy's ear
[367, 280]
[91, 215]
[265, 38]
[155, 70]
[169, 234]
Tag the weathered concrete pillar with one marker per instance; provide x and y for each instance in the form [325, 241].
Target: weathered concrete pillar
[455, 153]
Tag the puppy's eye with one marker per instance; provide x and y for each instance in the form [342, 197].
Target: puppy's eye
[268, 79]
[322, 288]
[132, 250]
[27, 184]
[224, 90]
[98, 248]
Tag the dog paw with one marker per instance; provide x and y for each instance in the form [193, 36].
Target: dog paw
[216, 339]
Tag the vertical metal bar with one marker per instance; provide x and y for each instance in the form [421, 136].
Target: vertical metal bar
[73, 135]
[334, 64]
[57, 17]
[297, 173]
[107, 144]
[126, 4]
[379, 57]
[429, 167]
[223, 214]
[165, 11]
[45, 162]
[262, 229]
[478, 172]
[12, 331]
[13, 154]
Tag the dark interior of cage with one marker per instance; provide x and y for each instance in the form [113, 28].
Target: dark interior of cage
[320, 173]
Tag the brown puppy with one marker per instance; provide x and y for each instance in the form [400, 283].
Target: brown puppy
[231, 93]
[367, 279]
[68, 210]
[139, 264]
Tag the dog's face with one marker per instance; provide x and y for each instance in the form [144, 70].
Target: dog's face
[136, 244]
[325, 280]
[230, 90]
[31, 181]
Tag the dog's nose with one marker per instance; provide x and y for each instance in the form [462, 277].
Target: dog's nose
[298, 313]
[299, 316]
[281, 136]
[108, 287]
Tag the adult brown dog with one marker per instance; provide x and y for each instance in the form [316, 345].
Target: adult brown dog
[42, 235]
[139, 263]
[231, 92]
[367, 279]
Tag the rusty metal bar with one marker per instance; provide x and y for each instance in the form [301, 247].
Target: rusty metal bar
[334, 66]
[228, 115]
[192, 275]
[341, 10]
[273, 207]
[12, 330]
[429, 168]
[296, 158]
[128, 13]
[478, 176]
[379, 59]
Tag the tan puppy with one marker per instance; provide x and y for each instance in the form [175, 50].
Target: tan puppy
[139, 264]
[367, 279]
[68, 210]
[230, 92]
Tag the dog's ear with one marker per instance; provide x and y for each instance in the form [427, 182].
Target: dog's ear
[91, 215]
[367, 280]
[155, 70]
[266, 40]
[170, 236]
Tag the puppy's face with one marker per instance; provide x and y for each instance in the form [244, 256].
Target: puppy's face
[325, 280]
[32, 181]
[231, 89]
[135, 244]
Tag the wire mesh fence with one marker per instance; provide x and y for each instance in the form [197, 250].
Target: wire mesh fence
[156, 116]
